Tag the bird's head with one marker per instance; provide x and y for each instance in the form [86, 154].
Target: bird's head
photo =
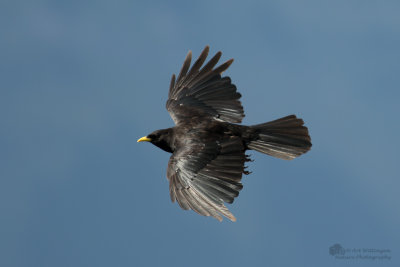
[159, 138]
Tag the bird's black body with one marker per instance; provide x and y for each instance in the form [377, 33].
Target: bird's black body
[204, 130]
[208, 147]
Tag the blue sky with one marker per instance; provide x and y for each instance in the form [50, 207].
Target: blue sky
[81, 81]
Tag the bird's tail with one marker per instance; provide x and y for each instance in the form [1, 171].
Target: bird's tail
[284, 138]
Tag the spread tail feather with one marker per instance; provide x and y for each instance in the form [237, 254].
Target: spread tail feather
[284, 138]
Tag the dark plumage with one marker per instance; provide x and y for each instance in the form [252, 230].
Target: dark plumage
[208, 149]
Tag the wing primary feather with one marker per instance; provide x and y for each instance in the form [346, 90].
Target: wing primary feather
[221, 208]
[171, 86]
[211, 64]
[185, 68]
[199, 62]
[207, 73]
[172, 192]
[182, 201]
[195, 203]
[223, 67]
[209, 205]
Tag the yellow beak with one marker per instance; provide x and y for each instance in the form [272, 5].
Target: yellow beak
[144, 139]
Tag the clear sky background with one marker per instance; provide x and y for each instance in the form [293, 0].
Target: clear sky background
[82, 80]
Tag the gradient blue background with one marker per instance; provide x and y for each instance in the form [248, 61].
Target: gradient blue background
[81, 81]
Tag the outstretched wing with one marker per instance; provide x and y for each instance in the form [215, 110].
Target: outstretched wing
[201, 92]
[203, 177]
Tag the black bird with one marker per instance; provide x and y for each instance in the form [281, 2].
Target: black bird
[208, 148]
